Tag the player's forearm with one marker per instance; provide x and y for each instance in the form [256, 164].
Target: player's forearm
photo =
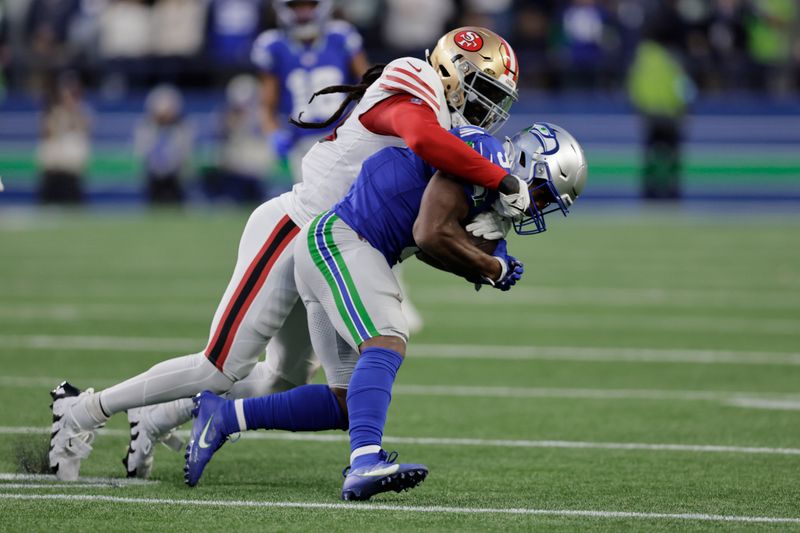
[449, 154]
[453, 253]
[418, 126]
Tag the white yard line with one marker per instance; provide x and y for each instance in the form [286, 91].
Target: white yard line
[405, 508]
[50, 486]
[175, 345]
[438, 441]
[616, 297]
[735, 398]
[614, 319]
[118, 482]
[763, 403]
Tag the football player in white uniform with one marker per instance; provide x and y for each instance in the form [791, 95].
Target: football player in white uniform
[470, 77]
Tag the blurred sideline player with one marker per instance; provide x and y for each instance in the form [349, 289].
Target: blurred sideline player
[307, 53]
[410, 102]
[343, 262]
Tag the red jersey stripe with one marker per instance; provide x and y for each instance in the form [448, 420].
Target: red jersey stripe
[416, 78]
[251, 282]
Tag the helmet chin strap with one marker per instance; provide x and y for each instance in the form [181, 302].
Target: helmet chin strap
[457, 119]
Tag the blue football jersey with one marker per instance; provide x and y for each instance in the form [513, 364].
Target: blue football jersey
[304, 69]
[384, 201]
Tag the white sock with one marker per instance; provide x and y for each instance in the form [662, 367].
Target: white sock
[364, 450]
[87, 412]
[166, 416]
[238, 406]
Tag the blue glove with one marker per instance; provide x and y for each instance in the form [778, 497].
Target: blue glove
[282, 142]
[512, 272]
[512, 269]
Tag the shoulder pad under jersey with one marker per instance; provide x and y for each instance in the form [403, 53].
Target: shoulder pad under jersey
[352, 40]
[417, 78]
[261, 54]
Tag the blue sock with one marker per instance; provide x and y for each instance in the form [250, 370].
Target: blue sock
[305, 408]
[368, 398]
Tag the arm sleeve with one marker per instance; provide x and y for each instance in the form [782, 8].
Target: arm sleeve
[415, 123]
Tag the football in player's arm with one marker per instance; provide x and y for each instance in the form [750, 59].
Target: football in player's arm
[445, 244]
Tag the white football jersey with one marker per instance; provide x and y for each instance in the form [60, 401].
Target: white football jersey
[330, 167]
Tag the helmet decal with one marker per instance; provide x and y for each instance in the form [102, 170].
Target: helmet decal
[469, 41]
[478, 70]
[509, 60]
[553, 164]
[546, 137]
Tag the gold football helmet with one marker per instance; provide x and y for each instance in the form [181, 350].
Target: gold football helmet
[479, 71]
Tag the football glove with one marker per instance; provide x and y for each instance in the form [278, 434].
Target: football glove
[489, 225]
[282, 142]
[513, 205]
[510, 269]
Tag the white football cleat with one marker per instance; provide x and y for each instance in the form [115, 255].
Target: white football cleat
[145, 433]
[69, 443]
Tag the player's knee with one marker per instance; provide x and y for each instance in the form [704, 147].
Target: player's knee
[389, 342]
[211, 377]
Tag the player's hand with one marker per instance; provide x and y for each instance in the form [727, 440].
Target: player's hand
[282, 142]
[514, 199]
[489, 225]
[511, 269]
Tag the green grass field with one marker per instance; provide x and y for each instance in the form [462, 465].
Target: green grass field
[644, 376]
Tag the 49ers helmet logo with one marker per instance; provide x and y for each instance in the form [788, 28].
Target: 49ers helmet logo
[469, 41]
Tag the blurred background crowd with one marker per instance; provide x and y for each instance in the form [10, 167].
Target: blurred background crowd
[117, 44]
[57, 56]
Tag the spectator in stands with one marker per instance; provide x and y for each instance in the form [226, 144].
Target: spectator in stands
[243, 158]
[124, 43]
[589, 41]
[177, 40]
[164, 142]
[411, 26]
[727, 39]
[494, 14]
[4, 49]
[47, 30]
[65, 146]
[770, 38]
[233, 25]
[661, 91]
[531, 39]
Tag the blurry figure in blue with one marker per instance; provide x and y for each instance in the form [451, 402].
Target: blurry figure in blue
[308, 52]
[243, 162]
[588, 36]
[163, 140]
[233, 25]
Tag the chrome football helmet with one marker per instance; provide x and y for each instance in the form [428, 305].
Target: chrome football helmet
[479, 72]
[552, 163]
[303, 19]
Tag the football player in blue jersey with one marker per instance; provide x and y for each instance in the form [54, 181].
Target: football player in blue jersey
[343, 261]
[308, 52]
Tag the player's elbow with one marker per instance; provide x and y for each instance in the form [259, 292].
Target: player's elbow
[431, 239]
[423, 236]
[420, 143]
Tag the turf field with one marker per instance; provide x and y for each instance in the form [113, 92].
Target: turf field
[644, 376]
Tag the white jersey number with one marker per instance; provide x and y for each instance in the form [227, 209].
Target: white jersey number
[303, 83]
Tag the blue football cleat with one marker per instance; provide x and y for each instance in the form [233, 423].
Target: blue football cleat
[385, 475]
[207, 436]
